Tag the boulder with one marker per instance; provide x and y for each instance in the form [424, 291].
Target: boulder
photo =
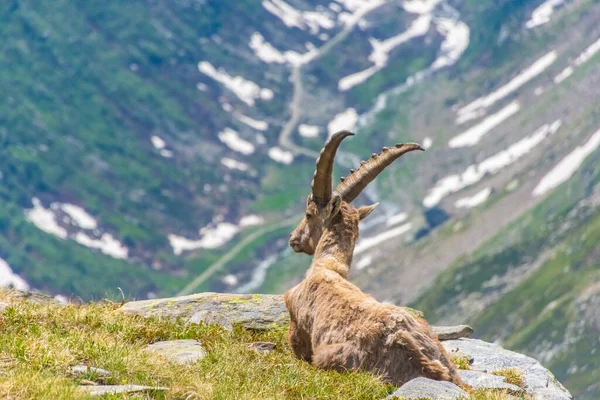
[424, 388]
[489, 357]
[179, 351]
[252, 311]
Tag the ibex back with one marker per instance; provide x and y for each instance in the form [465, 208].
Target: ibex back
[334, 325]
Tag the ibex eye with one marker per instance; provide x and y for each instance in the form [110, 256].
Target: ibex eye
[308, 216]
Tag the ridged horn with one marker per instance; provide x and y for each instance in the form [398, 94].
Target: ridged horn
[355, 183]
[321, 183]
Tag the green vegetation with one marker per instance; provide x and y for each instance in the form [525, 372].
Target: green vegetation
[557, 244]
[39, 342]
[512, 376]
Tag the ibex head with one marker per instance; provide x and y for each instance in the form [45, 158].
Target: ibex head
[324, 203]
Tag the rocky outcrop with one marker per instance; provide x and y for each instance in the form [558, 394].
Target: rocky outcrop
[261, 312]
[490, 358]
[252, 311]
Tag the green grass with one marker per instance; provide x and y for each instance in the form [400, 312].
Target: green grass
[38, 343]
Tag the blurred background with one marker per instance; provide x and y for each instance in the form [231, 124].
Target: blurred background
[167, 148]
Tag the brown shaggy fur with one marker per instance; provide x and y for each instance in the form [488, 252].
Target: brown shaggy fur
[334, 325]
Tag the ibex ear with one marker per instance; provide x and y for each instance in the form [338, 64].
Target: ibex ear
[333, 207]
[364, 212]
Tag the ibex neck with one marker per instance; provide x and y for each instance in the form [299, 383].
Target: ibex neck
[336, 246]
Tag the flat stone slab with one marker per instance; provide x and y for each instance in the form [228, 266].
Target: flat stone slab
[262, 347]
[424, 388]
[489, 357]
[452, 332]
[179, 351]
[84, 369]
[101, 390]
[482, 380]
[252, 311]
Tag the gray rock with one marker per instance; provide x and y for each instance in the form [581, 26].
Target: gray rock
[488, 357]
[84, 369]
[424, 388]
[452, 332]
[179, 351]
[34, 297]
[101, 390]
[252, 311]
[262, 347]
[482, 380]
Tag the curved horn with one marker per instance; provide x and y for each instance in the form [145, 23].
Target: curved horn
[353, 184]
[321, 183]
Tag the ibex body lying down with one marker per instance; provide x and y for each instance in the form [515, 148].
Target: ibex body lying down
[334, 325]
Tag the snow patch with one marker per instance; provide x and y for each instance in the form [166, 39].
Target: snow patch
[166, 153]
[247, 91]
[234, 164]
[214, 235]
[80, 216]
[44, 219]
[358, 8]
[251, 220]
[473, 135]
[420, 6]
[363, 262]
[230, 280]
[232, 140]
[308, 131]
[106, 244]
[264, 50]
[280, 155]
[211, 237]
[381, 49]
[158, 143]
[311, 20]
[370, 242]
[9, 279]
[258, 275]
[478, 107]
[252, 123]
[456, 40]
[396, 219]
[567, 166]
[344, 120]
[582, 58]
[474, 173]
[475, 200]
[542, 14]
[427, 143]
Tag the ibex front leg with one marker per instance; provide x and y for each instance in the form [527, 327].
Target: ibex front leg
[300, 342]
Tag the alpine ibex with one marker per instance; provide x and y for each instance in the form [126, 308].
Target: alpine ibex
[334, 325]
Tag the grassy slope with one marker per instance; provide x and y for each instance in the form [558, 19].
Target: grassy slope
[561, 234]
[89, 85]
[39, 342]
